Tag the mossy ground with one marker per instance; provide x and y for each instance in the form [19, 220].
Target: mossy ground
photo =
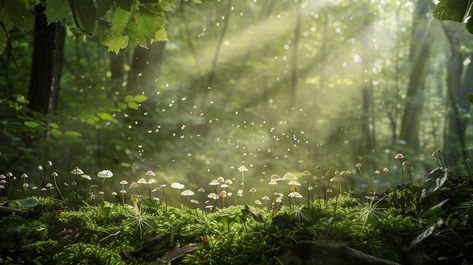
[153, 233]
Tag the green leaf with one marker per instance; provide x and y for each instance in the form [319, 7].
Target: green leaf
[84, 11]
[54, 125]
[16, 11]
[114, 42]
[427, 232]
[470, 97]
[142, 26]
[31, 124]
[102, 7]
[132, 105]
[435, 212]
[56, 133]
[119, 20]
[21, 99]
[140, 98]
[72, 134]
[56, 10]
[105, 116]
[451, 10]
[129, 98]
[124, 4]
[161, 34]
[29, 202]
[434, 181]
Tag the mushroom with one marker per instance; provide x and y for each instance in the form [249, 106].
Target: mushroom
[178, 186]
[358, 166]
[101, 193]
[150, 174]
[258, 202]
[55, 175]
[142, 182]
[87, 177]
[104, 174]
[123, 192]
[266, 199]
[339, 180]
[252, 191]
[187, 193]
[242, 169]
[294, 195]
[222, 195]
[76, 172]
[289, 176]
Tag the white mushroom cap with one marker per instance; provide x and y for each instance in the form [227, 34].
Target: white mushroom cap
[252, 190]
[49, 185]
[114, 193]
[399, 156]
[272, 182]
[54, 174]
[104, 174]
[86, 177]
[123, 182]
[289, 176]
[265, 198]
[201, 190]
[150, 173]
[177, 185]
[101, 193]
[294, 194]
[123, 191]
[187, 193]
[214, 182]
[77, 171]
[133, 185]
[242, 169]
[2, 176]
[142, 181]
[293, 183]
[258, 202]
[212, 196]
[194, 201]
[151, 181]
[24, 176]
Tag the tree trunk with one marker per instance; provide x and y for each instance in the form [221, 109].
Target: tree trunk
[295, 63]
[213, 70]
[42, 70]
[419, 52]
[117, 63]
[145, 68]
[458, 104]
[60, 39]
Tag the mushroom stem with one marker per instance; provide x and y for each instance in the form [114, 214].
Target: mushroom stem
[57, 188]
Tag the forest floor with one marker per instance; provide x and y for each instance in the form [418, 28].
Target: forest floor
[409, 224]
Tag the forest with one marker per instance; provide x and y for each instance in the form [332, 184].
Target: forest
[236, 132]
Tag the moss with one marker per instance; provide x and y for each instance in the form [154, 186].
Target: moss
[82, 253]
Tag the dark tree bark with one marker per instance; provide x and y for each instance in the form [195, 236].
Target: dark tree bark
[419, 51]
[295, 58]
[213, 69]
[60, 40]
[145, 68]
[117, 63]
[458, 104]
[42, 70]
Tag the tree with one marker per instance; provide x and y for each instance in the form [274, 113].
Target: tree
[418, 55]
[47, 59]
